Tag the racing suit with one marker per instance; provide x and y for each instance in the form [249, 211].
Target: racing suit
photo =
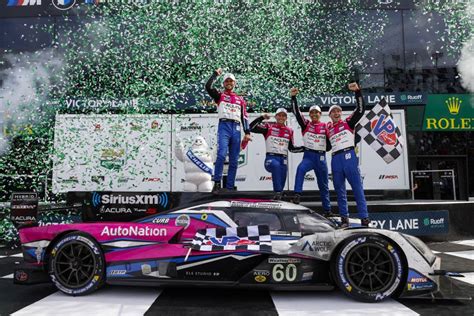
[345, 164]
[278, 140]
[232, 112]
[315, 146]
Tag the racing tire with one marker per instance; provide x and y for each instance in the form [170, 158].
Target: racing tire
[369, 268]
[76, 264]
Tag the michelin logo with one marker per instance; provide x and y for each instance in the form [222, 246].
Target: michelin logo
[133, 231]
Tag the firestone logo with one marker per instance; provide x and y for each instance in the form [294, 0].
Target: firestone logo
[133, 231]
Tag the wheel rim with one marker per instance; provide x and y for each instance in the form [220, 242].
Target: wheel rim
[74, 265]
[370, 268]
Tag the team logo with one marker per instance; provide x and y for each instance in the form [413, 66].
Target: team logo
[17, 3]
[384, 128]
[63, 4]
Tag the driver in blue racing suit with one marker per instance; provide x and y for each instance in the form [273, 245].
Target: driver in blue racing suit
[315, 146]
[344, 163]
[232, 112]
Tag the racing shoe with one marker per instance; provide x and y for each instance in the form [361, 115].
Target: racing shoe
[365, 222]
[216, 188]
[296, 198]
[344, 222]
[328, 214]
[277, 196]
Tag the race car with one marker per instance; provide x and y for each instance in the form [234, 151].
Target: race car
[231, 243]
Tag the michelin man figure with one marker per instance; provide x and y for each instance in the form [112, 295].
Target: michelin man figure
[198, 165]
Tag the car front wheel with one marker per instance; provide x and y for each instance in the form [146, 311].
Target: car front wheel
[369, 268]
[76, 264]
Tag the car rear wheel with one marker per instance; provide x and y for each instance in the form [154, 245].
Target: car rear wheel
[76, 264]
[369, 268]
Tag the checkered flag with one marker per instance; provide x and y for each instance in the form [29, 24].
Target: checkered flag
[380, 131]
[247, 238]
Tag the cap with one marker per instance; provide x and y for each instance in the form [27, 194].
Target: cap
[335, 106]
[315, 107]
[281, 110]
[229, 76]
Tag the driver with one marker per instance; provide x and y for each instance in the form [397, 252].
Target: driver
[278, 140]
[345, 164]
[315, 146]
[232, 111]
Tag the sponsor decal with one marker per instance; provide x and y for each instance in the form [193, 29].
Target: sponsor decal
[445, 112]
[384, 129]
[135, 126]
[260, 278]
[112, 158]
[415, 223]
[131, 199]
[265, 178]
[193, 126]
[316, 246]
[118, 272]
[154, 124]
[307, 276]
[18, 3]
[183, 220]
[309, 177]
[100, 103]
[417, 281]
[115, 210]
[203, 273]
[229, 241]
[273, 205]
[240, 178]
[63, 4]
[21, 275]
[284, 260]
[98, 179]
[261, 272]
[152, 180]
[130, 231]
[146, 269]
[204, 217]
[161, 220]
[388, 177]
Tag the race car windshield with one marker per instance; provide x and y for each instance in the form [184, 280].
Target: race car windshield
[313, 223]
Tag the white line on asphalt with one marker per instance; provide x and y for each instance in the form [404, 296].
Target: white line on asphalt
[469, 254]
[332, 303]
[113, 301]
[468, 278]
[469, 242]
[9, 276]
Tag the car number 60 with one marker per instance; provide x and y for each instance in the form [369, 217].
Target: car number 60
[280, 273]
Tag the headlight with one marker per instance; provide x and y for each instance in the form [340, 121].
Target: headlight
[421, 247]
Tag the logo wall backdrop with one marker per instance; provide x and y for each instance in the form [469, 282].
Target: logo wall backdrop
[137, 153]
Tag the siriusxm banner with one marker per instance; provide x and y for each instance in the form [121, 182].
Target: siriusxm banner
[413, 223]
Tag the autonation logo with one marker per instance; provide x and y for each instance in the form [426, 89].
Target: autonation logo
[116, 198]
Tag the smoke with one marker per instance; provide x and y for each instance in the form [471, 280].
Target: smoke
[27, 84]
[466, 61]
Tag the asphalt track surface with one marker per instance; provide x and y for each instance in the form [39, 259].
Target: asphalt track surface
[44, 299]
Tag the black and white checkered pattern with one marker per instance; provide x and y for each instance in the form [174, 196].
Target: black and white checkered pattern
[388, 152]
[249, 238]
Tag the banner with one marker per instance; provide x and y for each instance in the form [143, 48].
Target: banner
[416, 223]
[24, 207]
[449, 112]
[126, 153]
[379, 130]
[112, 153]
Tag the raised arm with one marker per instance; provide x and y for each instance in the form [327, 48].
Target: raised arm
[255, 126]
[296, 110]
[213, 92]
[360, 106]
